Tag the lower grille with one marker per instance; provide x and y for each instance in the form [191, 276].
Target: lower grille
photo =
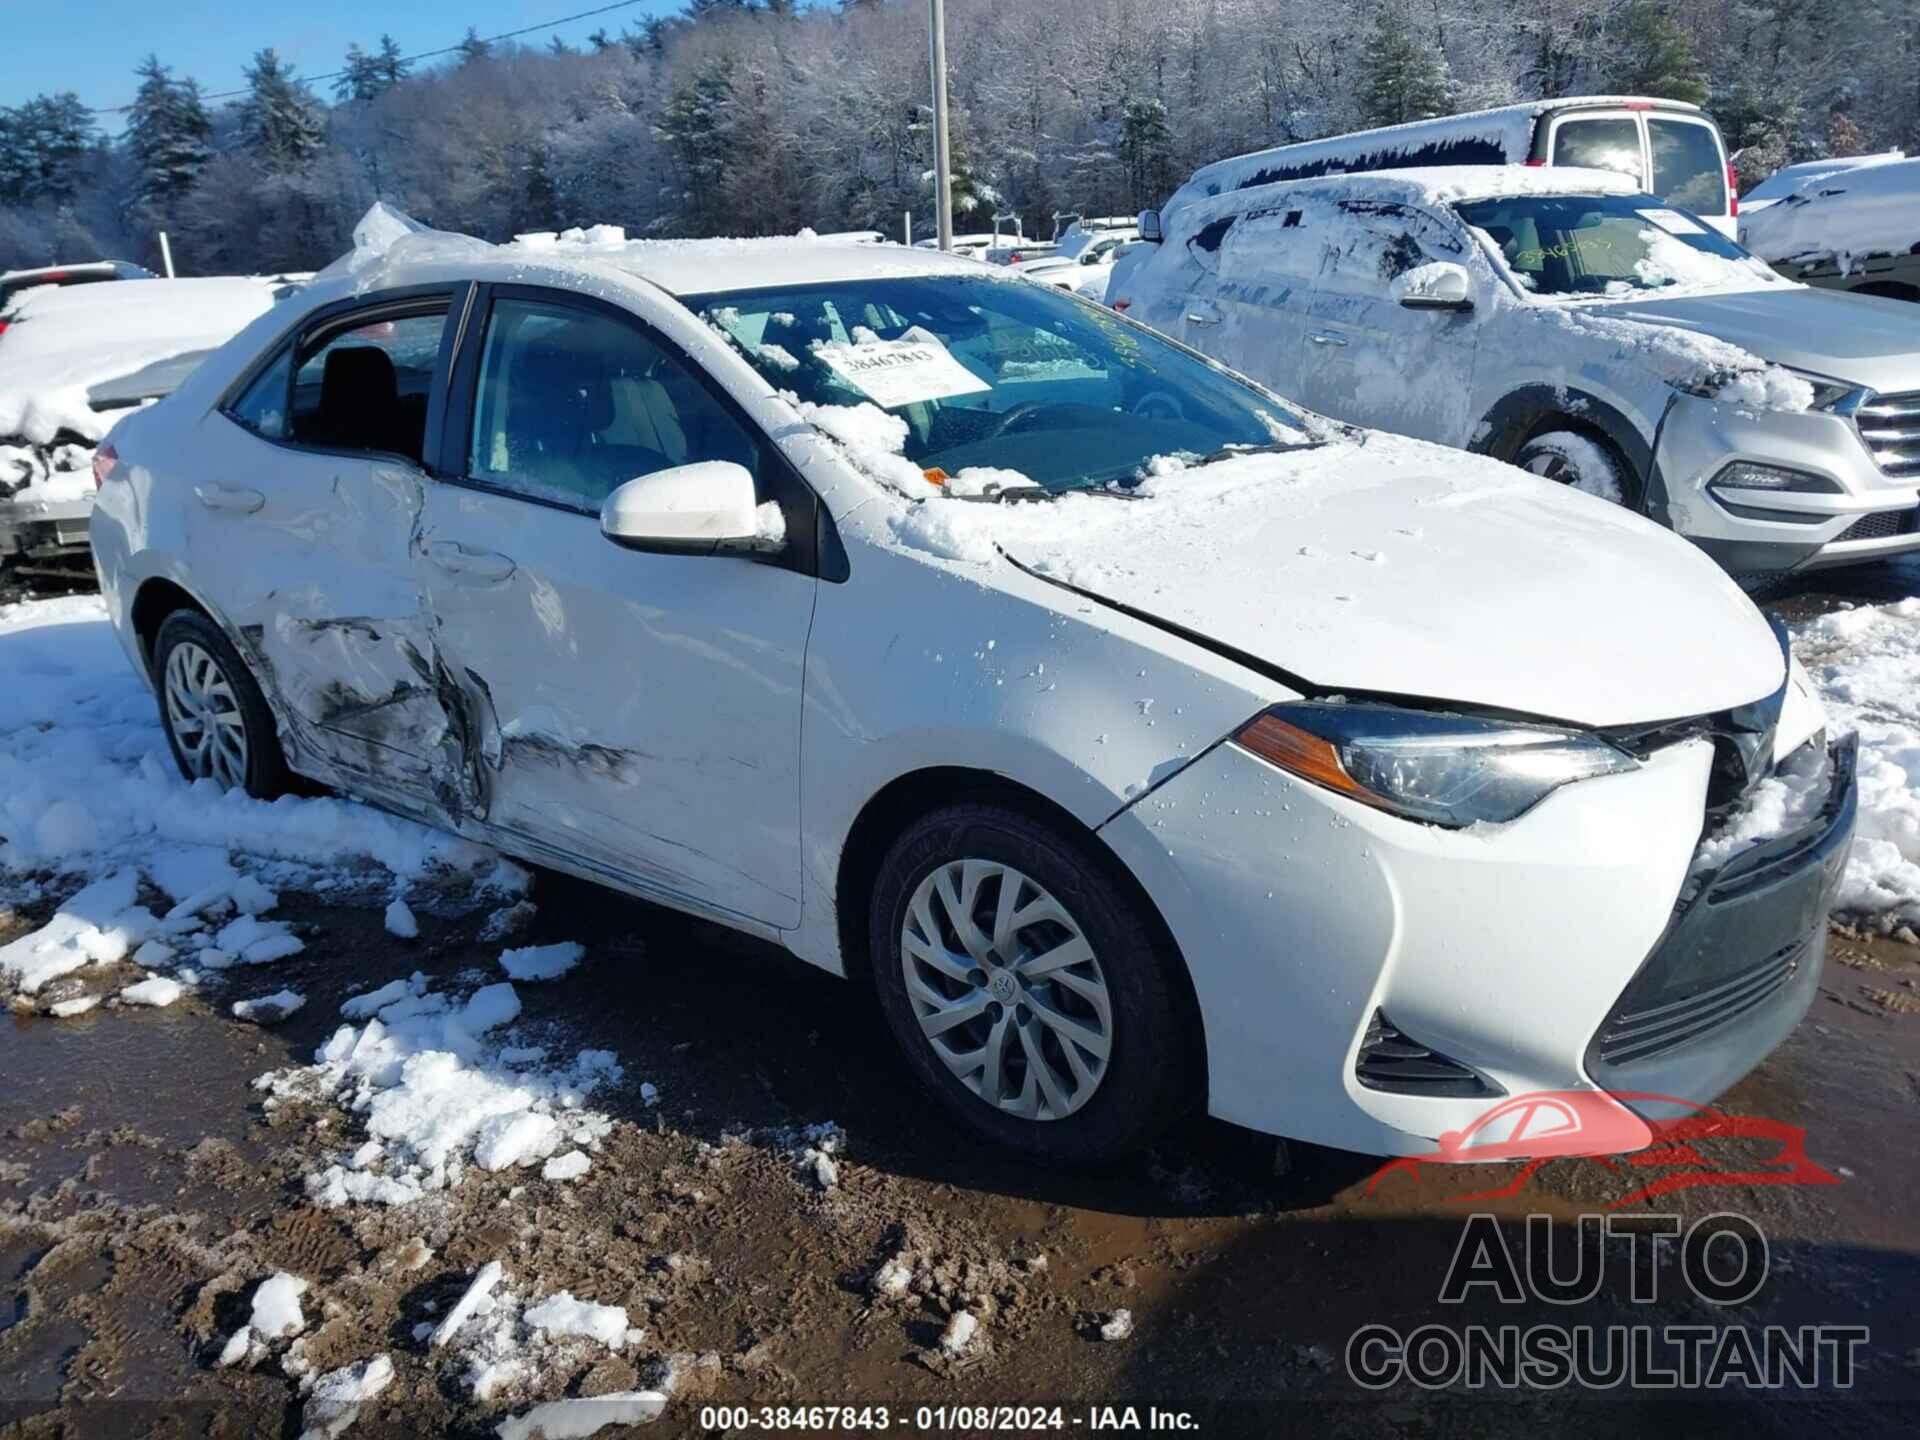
[1890, 424]
[1881, 525]
[1631, 1035]
[1389, 1060]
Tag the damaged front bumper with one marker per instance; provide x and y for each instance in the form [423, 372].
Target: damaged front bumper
[1738, 964]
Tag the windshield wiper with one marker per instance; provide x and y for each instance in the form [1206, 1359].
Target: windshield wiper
[1234, 452]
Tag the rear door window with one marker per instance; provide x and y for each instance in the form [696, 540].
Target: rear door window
[1688, 170]
[1603, 143]
[364, 382]
[1374, 242]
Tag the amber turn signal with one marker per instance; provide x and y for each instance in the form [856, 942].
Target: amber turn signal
[1301, 753]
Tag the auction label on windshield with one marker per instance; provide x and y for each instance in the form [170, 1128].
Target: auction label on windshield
[900, 372]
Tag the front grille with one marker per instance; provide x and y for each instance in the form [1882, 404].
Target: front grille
[1390, 1060]
[1890, 424]
[1641, 1034]
[1881, 525]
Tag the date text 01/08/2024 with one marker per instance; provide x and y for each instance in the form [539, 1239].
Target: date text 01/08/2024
[951, 1418]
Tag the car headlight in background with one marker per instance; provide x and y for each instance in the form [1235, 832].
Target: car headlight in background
[1449, 770]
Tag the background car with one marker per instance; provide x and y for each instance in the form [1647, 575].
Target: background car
[1853, 229]
[1667, 147]
[91, 272]
[1581, 330]
[982, 645]
[71, 360]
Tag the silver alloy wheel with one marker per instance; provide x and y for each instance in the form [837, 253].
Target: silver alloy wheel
[1007, 989]
[1550, 465]
[204, 715]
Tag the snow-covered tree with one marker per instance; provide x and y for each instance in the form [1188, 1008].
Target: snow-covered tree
[44, 145]
[169, 134]
[1653, 55]
[279, 120]
[1401, 78]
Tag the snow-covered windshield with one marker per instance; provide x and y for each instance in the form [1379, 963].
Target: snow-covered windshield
[999, 375]
[1609, 245]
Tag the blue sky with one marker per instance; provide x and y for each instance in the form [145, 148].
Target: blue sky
[92, 46]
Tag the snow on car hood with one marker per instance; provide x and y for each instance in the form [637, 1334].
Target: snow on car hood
[1401, 568]
[1846, 337]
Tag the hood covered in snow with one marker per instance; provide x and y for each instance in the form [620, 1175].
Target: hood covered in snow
[1848, 337]
[1403, 569]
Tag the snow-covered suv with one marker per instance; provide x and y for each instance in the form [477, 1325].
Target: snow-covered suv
[1560, 320]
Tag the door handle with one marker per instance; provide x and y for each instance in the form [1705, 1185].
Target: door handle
[1203, 315]
[457, 559]
[222, 497]
[1327, 337]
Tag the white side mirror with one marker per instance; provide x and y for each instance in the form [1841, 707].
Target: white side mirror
[696, 509]
[1150, 226]
[1437, 285]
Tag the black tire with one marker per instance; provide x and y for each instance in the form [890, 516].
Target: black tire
[1150, 1072]
[265, 767]
[1580, 462]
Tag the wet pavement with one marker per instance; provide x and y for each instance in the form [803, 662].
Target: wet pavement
[145, 1189]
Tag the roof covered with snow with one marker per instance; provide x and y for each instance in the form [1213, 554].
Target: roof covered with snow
[691, 267]
[1439, 185]
[1789, 178]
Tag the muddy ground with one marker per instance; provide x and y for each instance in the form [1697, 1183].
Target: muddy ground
[146, 1189]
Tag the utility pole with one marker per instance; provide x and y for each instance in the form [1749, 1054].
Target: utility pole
[942, 163]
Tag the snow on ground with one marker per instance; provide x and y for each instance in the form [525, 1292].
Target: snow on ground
[542, 962]
[1866, 662]
[436, 1091]
[88, 786]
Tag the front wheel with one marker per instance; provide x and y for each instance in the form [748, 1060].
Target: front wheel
[217, 721]
[1579, 462]
[1030, 993]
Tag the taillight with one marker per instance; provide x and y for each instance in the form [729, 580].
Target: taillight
[1536, 164]
[104, 459]
[1733, 190]
[3, 326]
[1121, 305]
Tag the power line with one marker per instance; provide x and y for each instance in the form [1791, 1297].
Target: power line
[423, 55]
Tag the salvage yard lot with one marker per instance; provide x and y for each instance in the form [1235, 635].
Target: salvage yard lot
[711, 1139]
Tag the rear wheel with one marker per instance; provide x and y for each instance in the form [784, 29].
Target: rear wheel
[1027, 987]
[1569, 458]
[217, 721]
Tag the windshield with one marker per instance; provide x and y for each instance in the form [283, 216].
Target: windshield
[1609, 245]
[1000, 375]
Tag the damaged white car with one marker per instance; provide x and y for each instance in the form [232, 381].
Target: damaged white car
[1145, 743]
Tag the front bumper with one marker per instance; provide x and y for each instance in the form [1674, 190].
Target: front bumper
[1739, 963]
[1306, 920]
[1751, 532]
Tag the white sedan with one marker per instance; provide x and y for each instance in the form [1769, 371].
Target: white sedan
[1146, 743]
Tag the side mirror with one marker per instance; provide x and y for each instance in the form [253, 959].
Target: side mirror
[699, 509]
[1149, 223]
[1434, 286]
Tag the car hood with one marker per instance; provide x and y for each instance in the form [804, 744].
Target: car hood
[1409, 570]
[1859, 338]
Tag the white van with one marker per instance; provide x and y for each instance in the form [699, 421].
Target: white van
[1671, 149]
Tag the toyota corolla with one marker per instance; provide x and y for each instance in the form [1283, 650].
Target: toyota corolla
[1148, 745]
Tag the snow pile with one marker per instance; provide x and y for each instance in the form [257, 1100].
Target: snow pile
[505, 1346]
[542, 962]
[571, 1419]
[1871, 210]
[1866, 662]
[269, 1009]
[400, 921]
[387, 239]
[157, 991]
[100, 925]
[88, 786]
[276, 1316]
[335, 1400]
[435, 1094]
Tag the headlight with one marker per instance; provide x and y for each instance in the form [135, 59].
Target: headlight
[1442, 769]
[1835, 397]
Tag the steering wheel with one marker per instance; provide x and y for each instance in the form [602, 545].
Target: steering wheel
[1015, 417]
[1159, 405]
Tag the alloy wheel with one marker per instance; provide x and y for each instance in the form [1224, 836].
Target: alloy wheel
[1007, 989]
[204, 715]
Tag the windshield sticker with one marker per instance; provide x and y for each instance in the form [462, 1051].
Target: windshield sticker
[1673, 222]
[900, 372]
